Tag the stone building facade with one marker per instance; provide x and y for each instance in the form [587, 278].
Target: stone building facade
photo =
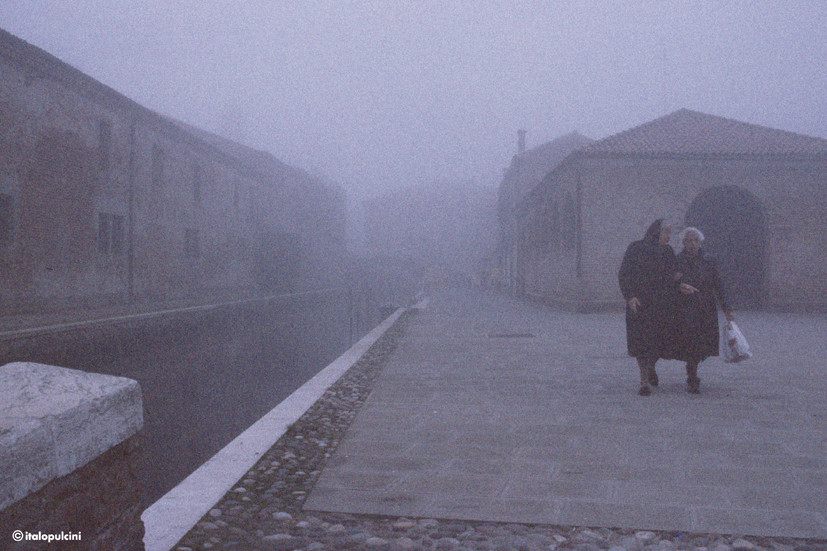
[525, 173]
[759, 194]
[103, 200]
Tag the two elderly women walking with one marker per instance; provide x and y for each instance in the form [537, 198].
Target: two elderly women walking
[671, 303]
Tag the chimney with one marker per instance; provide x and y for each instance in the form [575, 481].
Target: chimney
[520, 142]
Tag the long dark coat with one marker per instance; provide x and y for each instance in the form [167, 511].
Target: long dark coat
[648, 273]
[698, 318]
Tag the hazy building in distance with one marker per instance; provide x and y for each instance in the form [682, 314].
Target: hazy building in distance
[444, 229]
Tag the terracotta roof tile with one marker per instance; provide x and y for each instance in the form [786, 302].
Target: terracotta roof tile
[687, 132]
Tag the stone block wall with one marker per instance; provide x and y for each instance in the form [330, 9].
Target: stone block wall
[620, 197]
[99, 504]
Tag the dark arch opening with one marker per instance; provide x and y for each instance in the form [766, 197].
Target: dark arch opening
[733, 222]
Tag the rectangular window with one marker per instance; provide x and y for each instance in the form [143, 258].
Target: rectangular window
[104, 146]
[104, 233]
[6, 220]
[157, 166]
[111, 231]
[117, 234]
[192, 248]
[235, 198]
[196, 185]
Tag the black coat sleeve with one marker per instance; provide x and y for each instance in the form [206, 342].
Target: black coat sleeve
[673, 269]
[717, 285]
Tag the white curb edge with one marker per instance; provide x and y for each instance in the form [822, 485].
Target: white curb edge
[167, 520]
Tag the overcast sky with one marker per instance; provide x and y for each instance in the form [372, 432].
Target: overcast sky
[377, 95]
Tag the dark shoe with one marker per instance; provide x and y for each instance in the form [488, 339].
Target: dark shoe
[693, 385]
[644, 390]
[653, 377]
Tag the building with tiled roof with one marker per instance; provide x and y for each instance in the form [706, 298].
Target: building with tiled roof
[759, 194]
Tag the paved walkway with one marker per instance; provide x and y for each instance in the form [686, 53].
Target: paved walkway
[492, 409]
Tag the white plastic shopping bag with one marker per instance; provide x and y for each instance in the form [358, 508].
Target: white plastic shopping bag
[734, 344]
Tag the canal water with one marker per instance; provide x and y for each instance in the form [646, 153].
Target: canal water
[208, 374]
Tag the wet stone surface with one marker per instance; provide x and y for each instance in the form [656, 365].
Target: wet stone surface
[264, 510]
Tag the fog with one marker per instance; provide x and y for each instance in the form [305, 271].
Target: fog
[382, 95]
[413, 109]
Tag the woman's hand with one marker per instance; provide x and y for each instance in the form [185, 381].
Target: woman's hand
[729, 315]
[688, 289]
[634, 304]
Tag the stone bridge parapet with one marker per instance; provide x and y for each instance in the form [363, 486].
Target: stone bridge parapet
[68, 458]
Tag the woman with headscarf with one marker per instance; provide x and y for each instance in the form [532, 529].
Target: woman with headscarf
[698, 318]
[649, 283]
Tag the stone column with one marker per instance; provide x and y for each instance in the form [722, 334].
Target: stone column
[68, 459]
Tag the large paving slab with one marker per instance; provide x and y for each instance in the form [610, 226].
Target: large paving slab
[493, 409]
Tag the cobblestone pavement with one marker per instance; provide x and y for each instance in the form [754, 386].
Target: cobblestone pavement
[265, 510]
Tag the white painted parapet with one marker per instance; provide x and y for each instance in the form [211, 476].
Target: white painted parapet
[173, 515]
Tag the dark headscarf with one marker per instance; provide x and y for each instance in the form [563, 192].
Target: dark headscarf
[652, 235]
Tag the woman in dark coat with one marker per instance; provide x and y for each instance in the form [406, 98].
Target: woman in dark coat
[698, 320]
[649, 282]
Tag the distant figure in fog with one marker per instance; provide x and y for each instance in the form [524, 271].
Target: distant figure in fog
[648, 279]
[698, 318]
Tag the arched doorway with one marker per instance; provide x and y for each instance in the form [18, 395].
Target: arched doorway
[733, 222]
